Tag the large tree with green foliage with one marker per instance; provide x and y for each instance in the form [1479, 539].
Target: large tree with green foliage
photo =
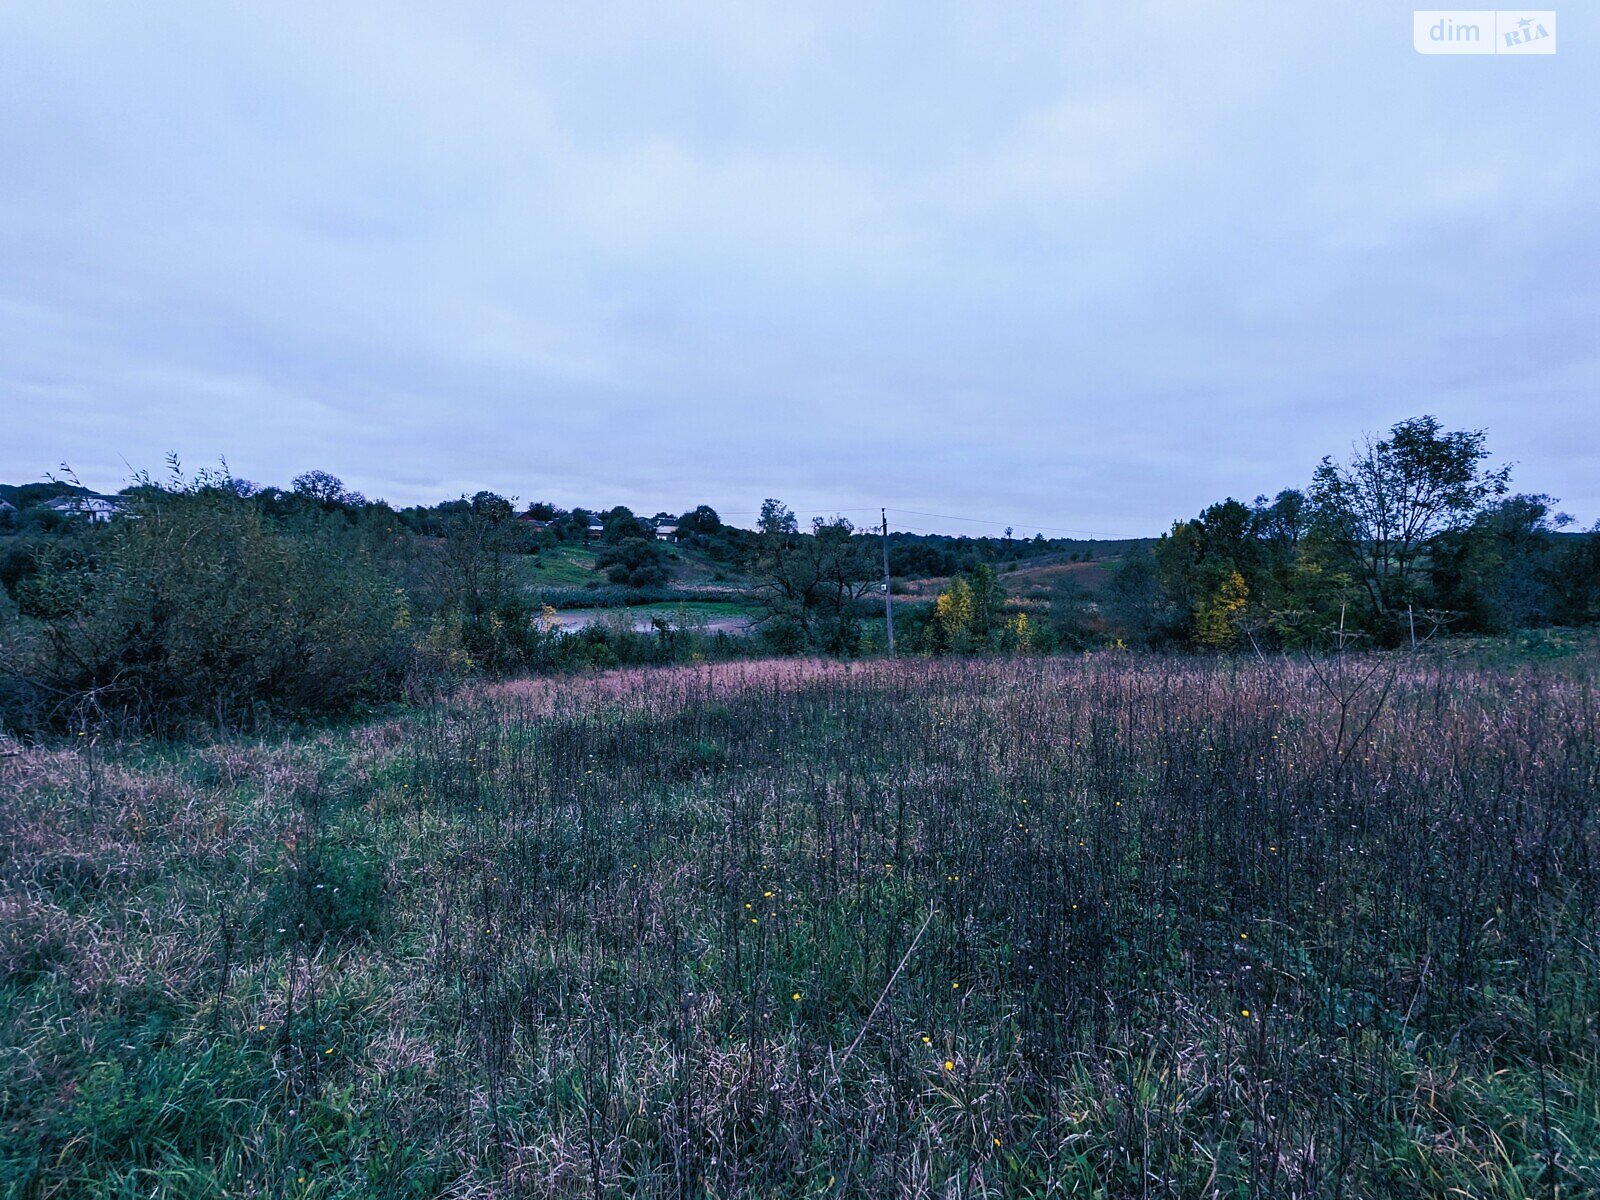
[702, 519]
[1377, 516]
[1494, 575]
[620, 525]
[807, 584]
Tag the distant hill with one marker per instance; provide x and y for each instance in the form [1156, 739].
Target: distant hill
[25, 495]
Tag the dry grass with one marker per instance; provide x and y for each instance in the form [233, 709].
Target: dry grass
[1191, 929]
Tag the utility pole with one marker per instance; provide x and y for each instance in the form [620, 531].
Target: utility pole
[888, 598]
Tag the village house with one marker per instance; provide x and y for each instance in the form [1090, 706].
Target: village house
[90, 508]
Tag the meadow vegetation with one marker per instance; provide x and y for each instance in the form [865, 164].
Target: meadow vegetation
[1099, 925]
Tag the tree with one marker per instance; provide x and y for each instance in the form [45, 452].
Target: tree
[776, 519]
[495, 509]
[1279, 529]
[1208, 563]
[634, 562]
[703, 519]
[1494, 575]
[576, 527]
[1574, 580]
[1021, 634]
[951, 628]
[1216, 621]
[1283, 523]
[969, 614]
[1377, 516]
[807, 584]
[203, 609]
[473, 580]
[988, 601]
[1070, 609]
[326, 490]
[621, 525]
[1137, 604]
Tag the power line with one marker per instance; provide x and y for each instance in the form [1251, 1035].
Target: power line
[913, 512]
[1026, 525]
[822, 509]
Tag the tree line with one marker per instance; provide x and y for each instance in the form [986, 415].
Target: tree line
[214, 599]
[1413, 535]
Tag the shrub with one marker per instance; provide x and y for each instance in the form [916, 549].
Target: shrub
[198, 608]
[634, 562]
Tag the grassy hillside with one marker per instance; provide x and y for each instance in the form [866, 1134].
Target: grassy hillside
[1100, 927]
[566, 565]
[728, 616]
[1030, 580]
[570, 566]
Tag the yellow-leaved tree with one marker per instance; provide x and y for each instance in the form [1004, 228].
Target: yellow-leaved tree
[952, 613]
[1217, 617]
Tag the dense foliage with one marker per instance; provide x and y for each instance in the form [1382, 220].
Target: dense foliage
[198, 605]
[208, 601]
[1416, 534]
[810, 586]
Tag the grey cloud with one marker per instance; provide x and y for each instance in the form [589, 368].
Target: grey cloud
[1092, 266]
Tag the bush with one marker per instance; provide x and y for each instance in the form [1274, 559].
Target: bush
[508, 637]
[198, 608]
[783, 635]
[633, 562]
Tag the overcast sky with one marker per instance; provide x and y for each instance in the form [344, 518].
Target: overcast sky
[1072, 265]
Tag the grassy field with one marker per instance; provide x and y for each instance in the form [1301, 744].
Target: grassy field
[727, 615]
[573, 566]
[1028, 582]
[1104, 926]
[563, 566]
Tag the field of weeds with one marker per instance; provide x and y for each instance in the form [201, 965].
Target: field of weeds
[1109, 927]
